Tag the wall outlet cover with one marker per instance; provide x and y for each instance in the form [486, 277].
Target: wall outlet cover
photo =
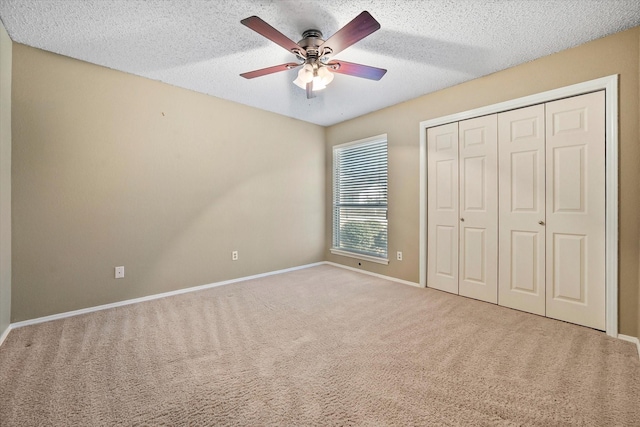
[119, 272]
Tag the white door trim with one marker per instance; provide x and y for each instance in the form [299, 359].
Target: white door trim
[610, 85]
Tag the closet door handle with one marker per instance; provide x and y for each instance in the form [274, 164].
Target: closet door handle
[541, 222]
[462, 219]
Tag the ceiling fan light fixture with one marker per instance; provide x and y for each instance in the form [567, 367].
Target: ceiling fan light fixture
[322, 78]
[305, 75]
[325, 75]
[300, 83]
[318, 84]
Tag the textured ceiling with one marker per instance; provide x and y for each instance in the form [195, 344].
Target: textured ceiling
[201, 45]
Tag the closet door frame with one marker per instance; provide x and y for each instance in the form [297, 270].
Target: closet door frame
[610, 85]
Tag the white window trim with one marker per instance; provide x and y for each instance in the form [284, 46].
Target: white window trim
[610, 85]
[363, 257]
[342, 252]
[377, 138]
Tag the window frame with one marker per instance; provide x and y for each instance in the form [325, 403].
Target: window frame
[346, 252]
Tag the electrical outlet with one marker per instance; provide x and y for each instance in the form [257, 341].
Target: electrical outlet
[234, 256]
[119, 272]
[399, 255]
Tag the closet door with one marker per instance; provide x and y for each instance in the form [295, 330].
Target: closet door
[442, 210]
[521, 152]
[575, 134]
[479, 208]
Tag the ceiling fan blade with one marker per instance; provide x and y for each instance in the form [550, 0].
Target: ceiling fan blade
[361, 26]
[310, 93]
[270, 70]
[358, 70]
[266, 30]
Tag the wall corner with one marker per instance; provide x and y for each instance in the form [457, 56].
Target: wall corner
[6, 57]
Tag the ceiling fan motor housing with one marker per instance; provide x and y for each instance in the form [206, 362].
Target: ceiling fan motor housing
[311, 41]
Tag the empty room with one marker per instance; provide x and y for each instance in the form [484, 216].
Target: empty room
[314, 213]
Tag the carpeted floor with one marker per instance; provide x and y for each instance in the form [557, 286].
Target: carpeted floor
[320, 346]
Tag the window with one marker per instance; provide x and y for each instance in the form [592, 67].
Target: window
[360, 199]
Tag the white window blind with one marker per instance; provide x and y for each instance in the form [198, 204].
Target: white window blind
[360, 197]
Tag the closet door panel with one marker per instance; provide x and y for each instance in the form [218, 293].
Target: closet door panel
[575, 207]
[521, 152]
[478, 208]
[442, 209]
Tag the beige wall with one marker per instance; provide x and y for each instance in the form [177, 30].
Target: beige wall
[111, 169]
[5, 179]
[617, 54]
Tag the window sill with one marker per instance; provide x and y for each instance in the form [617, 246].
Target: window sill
[360, 256]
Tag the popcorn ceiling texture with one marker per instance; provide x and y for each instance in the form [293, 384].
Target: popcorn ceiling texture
[201, 45]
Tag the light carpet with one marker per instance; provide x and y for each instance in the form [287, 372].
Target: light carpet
[321, 346]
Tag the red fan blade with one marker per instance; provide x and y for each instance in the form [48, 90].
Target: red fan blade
[266, 30]
[270, 70]
[358, 70]
[361, 26]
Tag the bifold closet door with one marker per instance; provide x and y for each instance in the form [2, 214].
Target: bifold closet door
[478, 222]
[442, 210]
[521, 153]
[575, 204]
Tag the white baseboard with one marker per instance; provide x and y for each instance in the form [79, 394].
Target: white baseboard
[628, 338]
[16, 325]
[381, 276]
[5, 334]
[634, 340]
[149, 298]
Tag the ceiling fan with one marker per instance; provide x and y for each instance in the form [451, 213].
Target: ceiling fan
[314, 54]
